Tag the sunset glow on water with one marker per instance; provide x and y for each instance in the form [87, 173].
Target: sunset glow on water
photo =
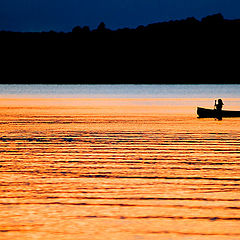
[118, 168]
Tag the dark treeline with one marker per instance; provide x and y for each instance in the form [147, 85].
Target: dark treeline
[183, 51]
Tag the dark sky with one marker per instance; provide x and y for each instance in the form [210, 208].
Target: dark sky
[63, 15]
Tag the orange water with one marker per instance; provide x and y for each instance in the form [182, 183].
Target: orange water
[117, 169]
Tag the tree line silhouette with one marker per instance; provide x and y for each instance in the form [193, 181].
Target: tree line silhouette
[181, 51]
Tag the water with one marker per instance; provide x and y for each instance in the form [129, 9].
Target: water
[123, 166]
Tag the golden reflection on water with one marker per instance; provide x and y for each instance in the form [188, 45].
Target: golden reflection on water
[117, 169]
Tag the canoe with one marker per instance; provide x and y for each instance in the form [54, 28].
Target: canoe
[213, 113]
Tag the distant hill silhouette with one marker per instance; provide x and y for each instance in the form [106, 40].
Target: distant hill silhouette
[181, 51]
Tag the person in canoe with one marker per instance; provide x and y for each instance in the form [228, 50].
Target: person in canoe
[218, 105]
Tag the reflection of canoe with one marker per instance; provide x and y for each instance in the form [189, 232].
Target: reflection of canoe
[212, 113]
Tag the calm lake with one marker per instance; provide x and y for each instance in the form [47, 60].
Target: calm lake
[118, 162]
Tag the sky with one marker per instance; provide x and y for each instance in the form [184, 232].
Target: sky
[63, 15]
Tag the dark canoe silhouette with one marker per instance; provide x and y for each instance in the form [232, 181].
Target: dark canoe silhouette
[213, 113]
